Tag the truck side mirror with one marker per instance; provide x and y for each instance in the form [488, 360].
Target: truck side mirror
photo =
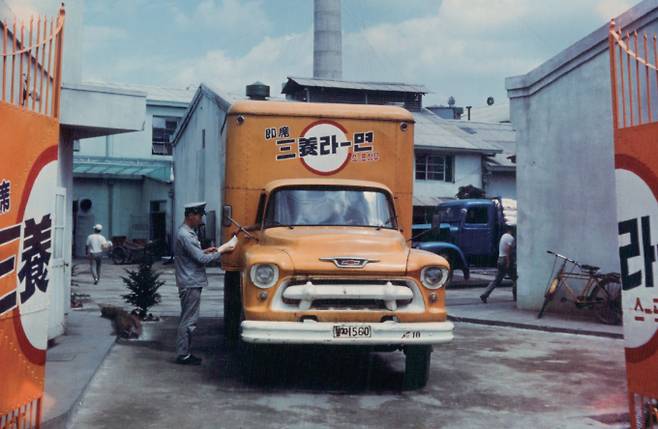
[436, 221]
[227, 215]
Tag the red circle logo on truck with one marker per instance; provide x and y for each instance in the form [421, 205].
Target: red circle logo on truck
[324, 147]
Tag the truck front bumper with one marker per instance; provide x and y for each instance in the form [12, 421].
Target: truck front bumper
[311, 332]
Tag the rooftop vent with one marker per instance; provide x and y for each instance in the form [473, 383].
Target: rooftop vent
[258, 91]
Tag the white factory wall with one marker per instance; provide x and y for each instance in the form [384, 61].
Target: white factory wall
[565, 158]
[501, 184]
[467, 171]
[199, 168]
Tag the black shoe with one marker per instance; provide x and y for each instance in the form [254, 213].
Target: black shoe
[483, 299]
[188, 360]
[95, 282]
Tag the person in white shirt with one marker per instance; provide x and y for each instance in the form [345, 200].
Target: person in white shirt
[96, 245]
[506, 250]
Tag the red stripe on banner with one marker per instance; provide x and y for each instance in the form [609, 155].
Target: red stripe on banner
[634, 165]
[47, 156]
[643, 352]
[31, 353]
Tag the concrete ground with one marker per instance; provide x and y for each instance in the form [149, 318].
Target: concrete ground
[488, 377]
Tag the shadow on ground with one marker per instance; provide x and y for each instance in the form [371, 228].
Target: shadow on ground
[282, 367]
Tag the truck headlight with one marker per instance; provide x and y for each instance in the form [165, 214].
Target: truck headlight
[434, 277]
[264, 275]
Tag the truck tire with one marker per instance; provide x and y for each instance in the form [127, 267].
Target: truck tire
[232, 308]
[417, 366]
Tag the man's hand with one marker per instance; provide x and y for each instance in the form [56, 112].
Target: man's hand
[210, 250]
[229, 245]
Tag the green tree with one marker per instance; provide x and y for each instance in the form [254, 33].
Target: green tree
[143, 285]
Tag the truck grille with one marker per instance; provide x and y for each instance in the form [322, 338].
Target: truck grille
[348, 294]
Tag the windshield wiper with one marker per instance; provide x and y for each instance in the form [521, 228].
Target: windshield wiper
[388, 222]
[277, 223]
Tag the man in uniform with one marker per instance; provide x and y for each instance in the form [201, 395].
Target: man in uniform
[190, 261]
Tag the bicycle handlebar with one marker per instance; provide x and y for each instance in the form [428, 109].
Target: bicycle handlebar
[557, 255]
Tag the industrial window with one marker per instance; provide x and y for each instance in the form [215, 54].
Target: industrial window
[434, 167]
[477, 215]
[163, 132]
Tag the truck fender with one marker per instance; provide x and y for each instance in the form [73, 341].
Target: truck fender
[451, 252]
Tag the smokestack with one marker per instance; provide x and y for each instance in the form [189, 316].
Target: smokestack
[327, 40]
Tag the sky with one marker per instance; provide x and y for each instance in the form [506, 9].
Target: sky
[460, 48]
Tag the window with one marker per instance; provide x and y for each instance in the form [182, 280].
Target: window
[423, 214]
[163, 133]
[321, 206]
[434, 167]
[477, 215]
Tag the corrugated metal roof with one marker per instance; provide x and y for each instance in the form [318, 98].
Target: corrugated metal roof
[426, 200]
[496, 113]
[122, 167]
[221, 99]
[363, 86]
[154, 93]
[500, 135]
[435, 132]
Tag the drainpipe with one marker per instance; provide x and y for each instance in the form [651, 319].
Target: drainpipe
[110, 206]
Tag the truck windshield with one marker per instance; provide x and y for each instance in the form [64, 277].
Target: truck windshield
[330, 206]
[449, 214]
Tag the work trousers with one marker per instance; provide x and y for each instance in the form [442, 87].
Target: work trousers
[95, 265]
[500, 275]
[190, 298]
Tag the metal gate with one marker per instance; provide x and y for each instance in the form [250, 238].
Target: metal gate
[634, 79]
[30, 64]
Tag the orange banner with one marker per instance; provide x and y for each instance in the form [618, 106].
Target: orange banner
[28, 177]
[635, 125]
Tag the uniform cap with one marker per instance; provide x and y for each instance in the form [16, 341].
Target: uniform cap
[197, 208]
[98, 227]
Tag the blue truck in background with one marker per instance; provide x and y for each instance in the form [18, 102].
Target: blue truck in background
[466, 232]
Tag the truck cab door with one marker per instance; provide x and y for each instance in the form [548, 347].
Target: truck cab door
[476, 235]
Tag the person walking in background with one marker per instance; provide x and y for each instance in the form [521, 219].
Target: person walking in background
[505, 265]
[96, 245]
[190, 261]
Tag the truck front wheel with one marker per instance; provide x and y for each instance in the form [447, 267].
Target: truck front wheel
[232, 308]
[417, 366]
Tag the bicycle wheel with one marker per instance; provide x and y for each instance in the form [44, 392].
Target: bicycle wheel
[119, 255]
[606, 299]
[548, 296]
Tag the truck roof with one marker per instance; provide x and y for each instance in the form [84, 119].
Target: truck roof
[321, 110]
[325, 182]
[466, 202]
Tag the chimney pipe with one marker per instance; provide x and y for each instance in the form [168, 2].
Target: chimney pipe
[327, 40]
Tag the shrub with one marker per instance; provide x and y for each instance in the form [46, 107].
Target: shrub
[143, 285]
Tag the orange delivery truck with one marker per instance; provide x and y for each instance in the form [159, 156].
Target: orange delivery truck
[323, 195]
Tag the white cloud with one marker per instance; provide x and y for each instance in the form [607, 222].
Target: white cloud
[227, 16]
[608, 9]
[465, 49]
[97, 35]
[270, 61]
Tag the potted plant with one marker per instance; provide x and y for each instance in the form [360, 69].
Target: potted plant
[143, 285]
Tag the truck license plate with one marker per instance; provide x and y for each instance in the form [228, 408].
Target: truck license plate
[352, 331]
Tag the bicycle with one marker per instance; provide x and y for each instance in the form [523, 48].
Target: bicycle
[129, 252]
[602, 291]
